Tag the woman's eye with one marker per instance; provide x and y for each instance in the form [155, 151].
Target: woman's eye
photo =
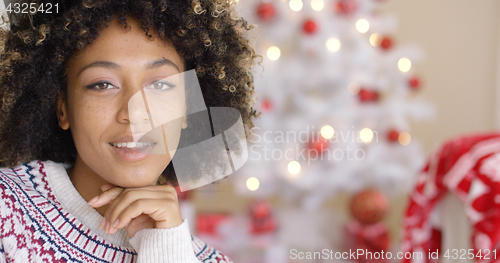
[100, 86]
[162, 85]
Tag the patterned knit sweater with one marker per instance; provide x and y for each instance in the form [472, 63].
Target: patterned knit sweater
[43, 218]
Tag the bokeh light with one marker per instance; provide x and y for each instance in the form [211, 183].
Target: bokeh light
[404, 64]
[375, 39]
[273, 53]
[333, 44]
[296, 5]
[362, 26]
[317, 5]
[327, 132]
[294, 167]
[404, 138]
[366, 135]
[253, 183]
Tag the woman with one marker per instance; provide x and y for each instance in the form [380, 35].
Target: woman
[66, 82]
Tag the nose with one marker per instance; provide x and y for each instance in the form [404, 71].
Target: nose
[134, 111]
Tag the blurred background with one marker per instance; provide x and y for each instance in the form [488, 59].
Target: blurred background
[400, 77]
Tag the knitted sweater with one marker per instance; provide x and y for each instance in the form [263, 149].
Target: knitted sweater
[43, 218]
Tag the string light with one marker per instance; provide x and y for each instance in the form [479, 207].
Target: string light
[404, 64]
[327, 132]
[273, 53]
[362, 26]
[294, 167]
[317, 5]
[375, 39]
[253, 183]
[366, 135]
[404, 138]
[333, 44]
[296, 5]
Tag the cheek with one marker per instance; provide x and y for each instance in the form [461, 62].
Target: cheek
[88, 120]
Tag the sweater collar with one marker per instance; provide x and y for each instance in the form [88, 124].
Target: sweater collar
[72, 201]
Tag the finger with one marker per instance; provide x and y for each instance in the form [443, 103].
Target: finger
[129, 196]
[106, 187]
[106, 197]
[165, 213]
[163, 191]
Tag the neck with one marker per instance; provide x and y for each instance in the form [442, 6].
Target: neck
[86, 182]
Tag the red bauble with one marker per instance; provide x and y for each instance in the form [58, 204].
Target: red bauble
[393, 135]
[260, 209]
[310, 26]
[208, 223]
[266, 11]
[368, 95]
[414, 83]
[369, 206]
[386, 43]
[345, 7]
[319, 145]
[266, 105]
[262, 218]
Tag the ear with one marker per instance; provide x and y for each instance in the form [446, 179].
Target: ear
[62, 112]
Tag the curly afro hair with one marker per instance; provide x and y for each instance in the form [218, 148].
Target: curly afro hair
[34, 51]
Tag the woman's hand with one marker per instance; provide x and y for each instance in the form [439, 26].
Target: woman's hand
[138, 208]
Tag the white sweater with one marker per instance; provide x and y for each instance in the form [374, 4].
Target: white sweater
[43, 218]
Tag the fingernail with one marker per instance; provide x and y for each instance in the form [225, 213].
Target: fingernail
[93, 200]
[115, 224]
[101, 226]
[107, 226]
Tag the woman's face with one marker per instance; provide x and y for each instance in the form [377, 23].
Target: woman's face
[101, 80]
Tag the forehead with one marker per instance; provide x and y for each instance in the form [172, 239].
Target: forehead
[125, 46]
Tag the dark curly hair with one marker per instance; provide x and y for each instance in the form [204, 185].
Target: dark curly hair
[34, 51]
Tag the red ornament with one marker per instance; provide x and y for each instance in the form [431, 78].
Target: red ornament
[208, 223]
[393, 135]
[266, 105]
[266, 11]
[345, 7]
[319, 145]
[369, 206]
[386, 43]
[414, 83]
[368, 95]
[262, 219]
[310, 26]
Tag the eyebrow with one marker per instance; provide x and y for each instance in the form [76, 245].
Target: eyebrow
[150, 65]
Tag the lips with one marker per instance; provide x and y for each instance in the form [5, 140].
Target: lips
[132, 138]
[127, 150]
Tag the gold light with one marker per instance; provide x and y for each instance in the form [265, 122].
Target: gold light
[333, 44]
[296, 5]
[362, 26]
[253, 183]
[273, 53]
[294, 167]
[366, 135]
[404, 64]
[317, 5]
[375, 39]
[327, 132]
[404, 138]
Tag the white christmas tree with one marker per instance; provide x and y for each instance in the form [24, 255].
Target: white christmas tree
[336, 96]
